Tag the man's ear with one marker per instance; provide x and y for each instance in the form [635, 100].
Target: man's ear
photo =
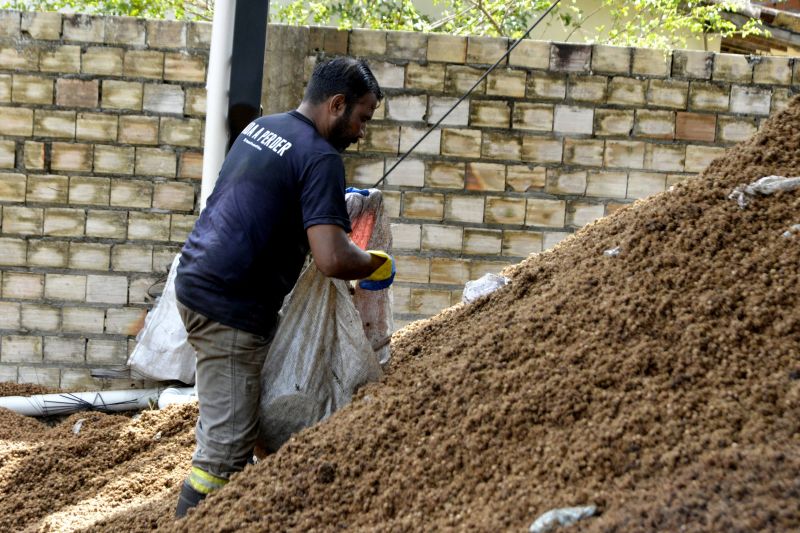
[337, 105]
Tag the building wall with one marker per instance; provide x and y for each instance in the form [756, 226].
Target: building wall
[101, 130]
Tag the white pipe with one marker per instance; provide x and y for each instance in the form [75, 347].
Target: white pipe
[173, 395]
[217, 88]
[71, 402]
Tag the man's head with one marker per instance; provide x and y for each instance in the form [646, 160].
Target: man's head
[342, 95]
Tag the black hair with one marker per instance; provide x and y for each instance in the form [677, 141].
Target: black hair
[342, 75]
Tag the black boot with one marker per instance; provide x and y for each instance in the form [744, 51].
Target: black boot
[188, 499]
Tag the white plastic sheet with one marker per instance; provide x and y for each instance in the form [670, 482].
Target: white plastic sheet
[566, 516]
[764, 186]
[162, 351]
[486, 284]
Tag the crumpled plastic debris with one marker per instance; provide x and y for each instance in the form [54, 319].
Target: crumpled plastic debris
[76, 428]
[791, 232]
[612, 252]
[765, 185]
[566, 516]
[486, 284]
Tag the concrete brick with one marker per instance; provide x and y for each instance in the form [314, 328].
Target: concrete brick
[166, 34]
[588, 89]
[21, 349]
[6, 83]
[163, 256]
[651, 62]
[17, 60]
[735, 129]
[39, 375]
[10, 24]
[478, 269]
[521, 243]
[412, 269]
[132, 258]
[565, 182]
[531, 54]
[409, 135]
[479, 241]
[163, 98]
[64, 222]
[64, 59]
[89, 256]
[389, 75]
[8, 373]
[573, 119]
[363, 171]
[507, 82]
[629, 154]
[504, 210]
[102, 61]
[83, 320]
[181, 132]
[699, 157]
[708, 97]
[17, 121]
[48, 253]
[501, 146]
[81, 379]
[107, 224]
[88, 190]
[199, 35]
[542, 150]
[668, 93]
[613, 122]
[445, 175]
[485, 177]
[586, 152]
[613, 207]
[654, 124]
[461, 143]
[750, 100]
[96, 127]
[12, 187]
[195, 102]
[666, 157]
[180, 226]
[174, 196]
[547, 86]
[122, 95]
[28, 89]
[155, 162]
[695, 64]
[545, 213]
[642, 184]
[191, 165]
[125, 321]
[781, 96]
[77, 93]
[407, 107]
[580, 213]
[23, 285]
[796, 73]
[626, 91]
[65, 287]
[733, 68]
[486, 50]
[443, 238]
[426, 301]
[135, 129]
[106, 352]
[438, 106]
[772, 71]
[409, 173]
[423, 205]
[533, 116]
[447, 48]
[8, 154]
[406, 236]
[84, 28]
[143, 64]
[459, 79]
[133, 193]
[148, 226]
[552, 238]
[13, 251]
[184, 67]
[33, 155]
[407, 45]
[606, 184]
[106, 289]
[10, 315]
[428, 77]
[464, 208]
[22, 220]
[449, 271]
[612, 59]
[569, 57]
[44, 26]
[365, 42]
[47, 189]
[695, 126]
[56, 124]
[381, 138]
[110, 159]
[64, 350]
[328, 39]
[524, 178]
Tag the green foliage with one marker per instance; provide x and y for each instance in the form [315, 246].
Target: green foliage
[157, 9]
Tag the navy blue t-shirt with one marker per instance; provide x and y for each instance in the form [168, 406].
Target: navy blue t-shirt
[247, 247]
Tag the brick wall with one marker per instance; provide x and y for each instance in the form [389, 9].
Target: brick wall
[101, 125]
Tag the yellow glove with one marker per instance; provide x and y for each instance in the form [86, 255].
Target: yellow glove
[383, 275]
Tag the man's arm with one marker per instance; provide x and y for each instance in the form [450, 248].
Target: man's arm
[336, 256]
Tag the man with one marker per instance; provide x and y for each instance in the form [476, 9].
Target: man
[280, 192]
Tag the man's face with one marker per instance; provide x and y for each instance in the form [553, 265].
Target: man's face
[352, 124]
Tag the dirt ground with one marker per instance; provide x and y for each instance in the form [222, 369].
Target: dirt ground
[661, 384]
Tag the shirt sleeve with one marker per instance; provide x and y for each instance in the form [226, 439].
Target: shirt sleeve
[322, 194]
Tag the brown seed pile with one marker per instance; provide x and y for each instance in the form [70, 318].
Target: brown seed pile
[661, 384]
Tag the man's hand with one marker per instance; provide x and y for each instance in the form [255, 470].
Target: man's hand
[383, 276]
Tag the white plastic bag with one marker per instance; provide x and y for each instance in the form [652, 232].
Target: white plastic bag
[162, 351]
[766, 185]
[486, 284]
